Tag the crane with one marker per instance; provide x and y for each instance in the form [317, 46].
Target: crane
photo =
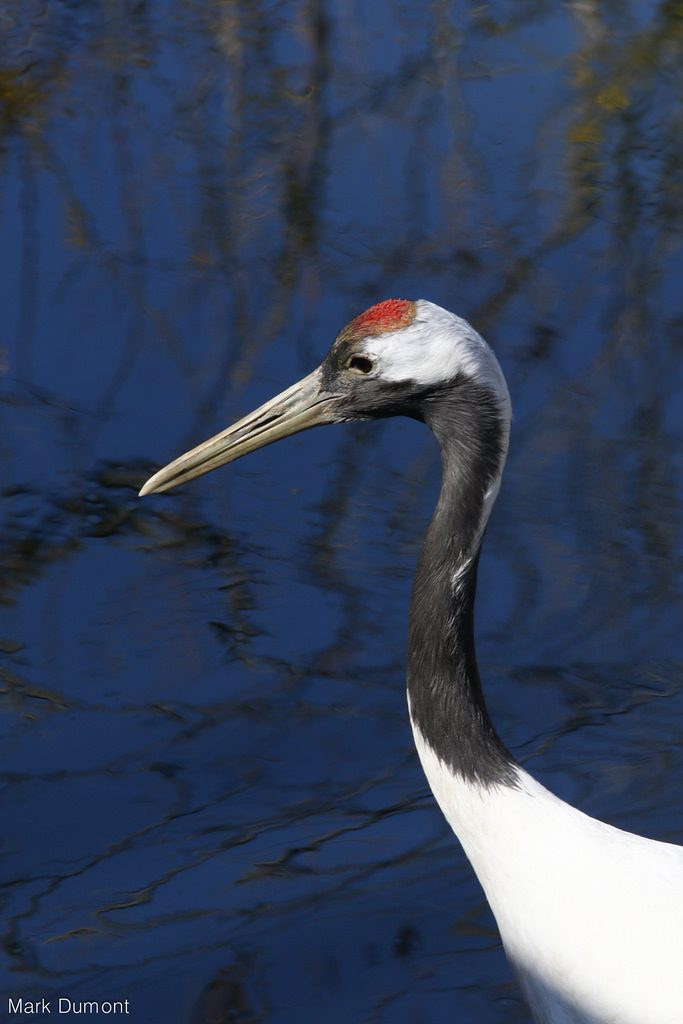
[591, 917]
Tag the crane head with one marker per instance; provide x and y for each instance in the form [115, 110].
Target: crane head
[395, 359]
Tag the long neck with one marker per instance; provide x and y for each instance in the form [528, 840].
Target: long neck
[446, 700]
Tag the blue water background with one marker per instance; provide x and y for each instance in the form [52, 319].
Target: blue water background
[210, 801]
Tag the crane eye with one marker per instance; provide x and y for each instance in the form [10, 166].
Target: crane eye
[360, 363]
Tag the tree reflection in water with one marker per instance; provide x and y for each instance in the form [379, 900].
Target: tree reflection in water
[211, 803]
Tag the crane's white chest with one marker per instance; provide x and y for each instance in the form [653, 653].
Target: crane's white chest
[591, 917]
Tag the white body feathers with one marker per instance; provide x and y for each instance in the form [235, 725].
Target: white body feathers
[591, 917]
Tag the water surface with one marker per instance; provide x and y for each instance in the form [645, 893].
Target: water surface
[210, 801]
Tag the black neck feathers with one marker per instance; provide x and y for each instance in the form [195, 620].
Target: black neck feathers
[446, 700]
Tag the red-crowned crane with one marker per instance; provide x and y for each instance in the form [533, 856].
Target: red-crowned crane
[591, 917]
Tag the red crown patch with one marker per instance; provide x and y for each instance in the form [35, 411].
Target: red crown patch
[390, 315]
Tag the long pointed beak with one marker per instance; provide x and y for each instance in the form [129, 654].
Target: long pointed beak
[306, 404]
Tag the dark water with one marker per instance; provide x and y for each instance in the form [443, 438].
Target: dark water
[210, 801]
